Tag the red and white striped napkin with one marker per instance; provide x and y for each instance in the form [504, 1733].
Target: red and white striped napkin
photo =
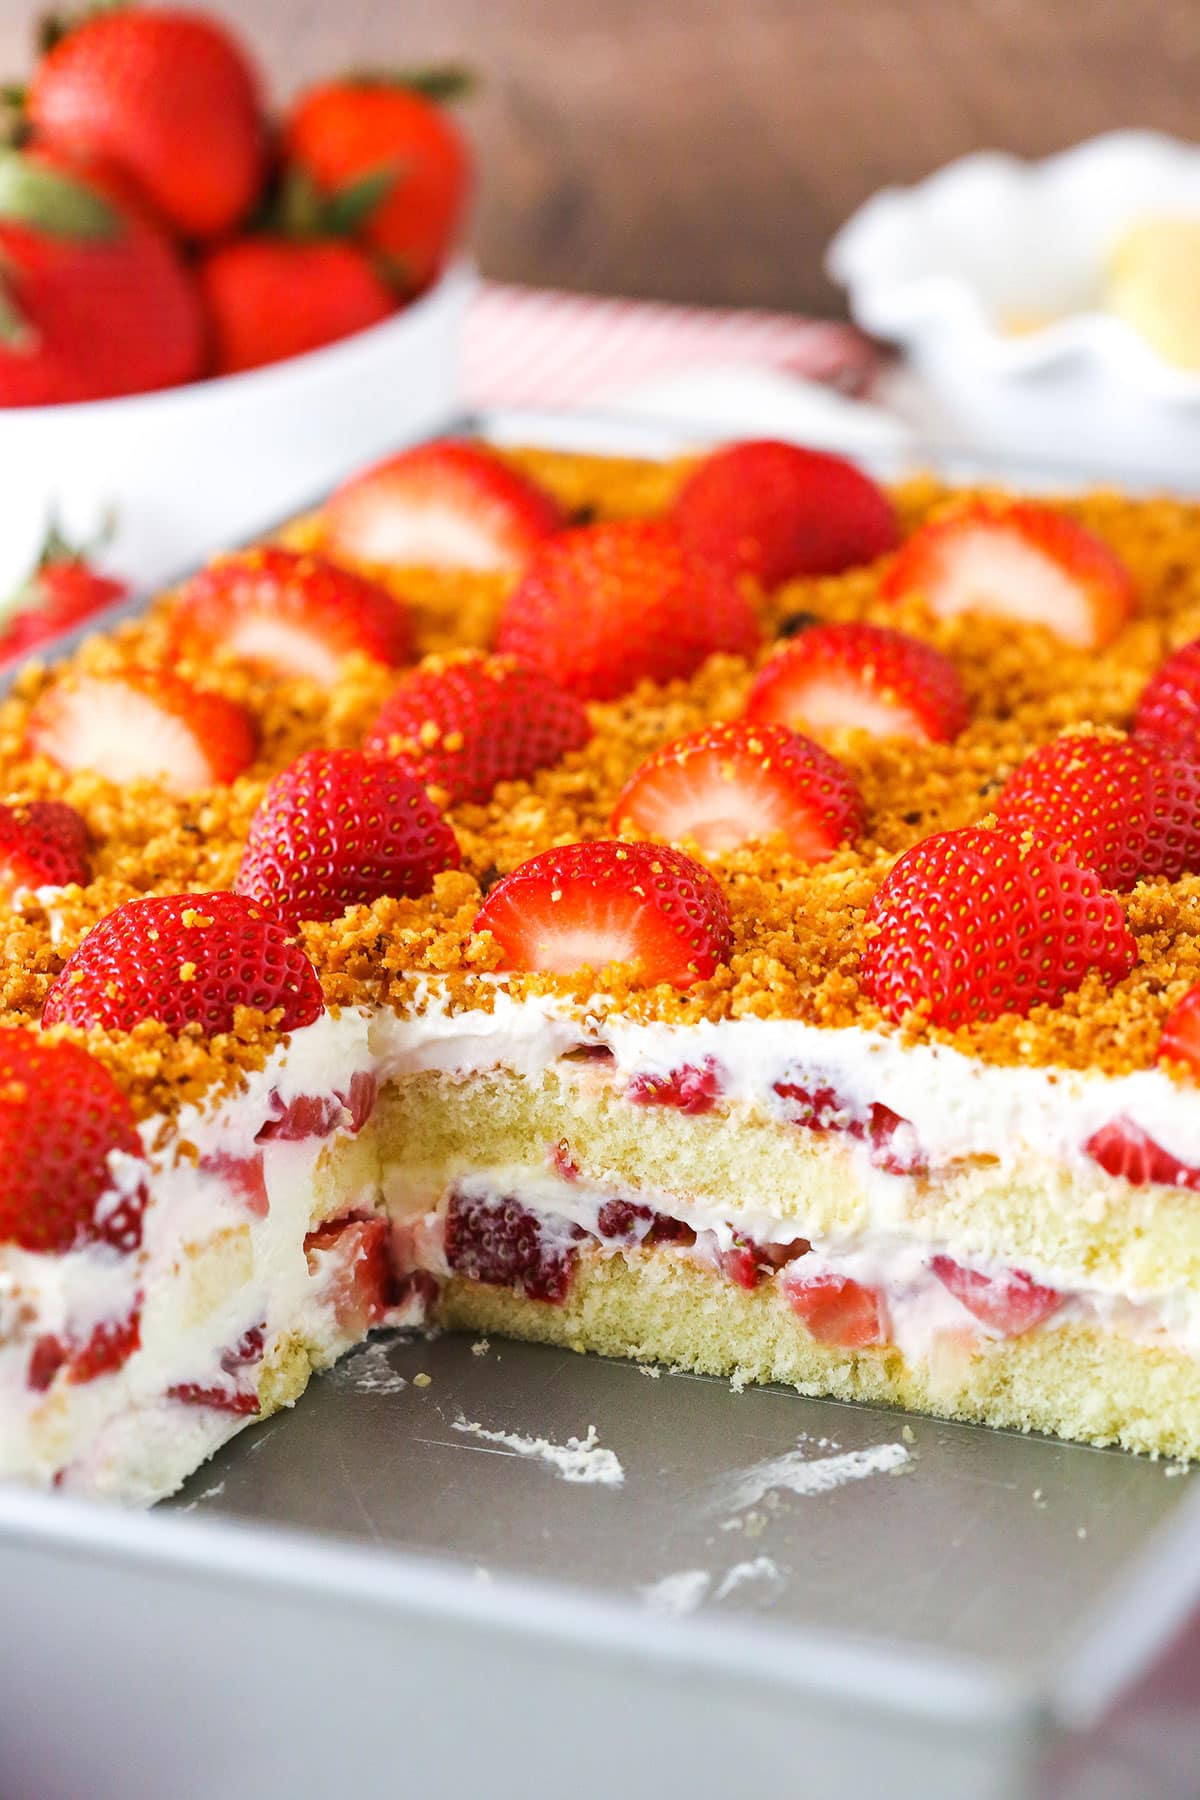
[541, 347]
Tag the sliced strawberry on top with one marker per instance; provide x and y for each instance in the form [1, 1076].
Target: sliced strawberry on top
[588, 905]
[974, 923]
[340, 828]
[444, 505]
[1008, 1303]
[466, 722]
[292, 613]
[44, 844]
[185, 959]
[143, 724]
[854, 677]
[1128, 807]
[606, 606]
[774, 511]
[1180, 1040]
[729, 785]
[62, 1116]
[1019, 561]
[838, 1310]
[1170, 704]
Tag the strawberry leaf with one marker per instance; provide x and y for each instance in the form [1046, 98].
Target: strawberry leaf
[440, 82]
[350, 207]
[47, 200]
[17, 335]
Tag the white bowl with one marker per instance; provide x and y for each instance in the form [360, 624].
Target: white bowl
[936, 267]
[189, 469]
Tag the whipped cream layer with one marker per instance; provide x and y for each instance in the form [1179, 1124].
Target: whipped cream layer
[958, 1106]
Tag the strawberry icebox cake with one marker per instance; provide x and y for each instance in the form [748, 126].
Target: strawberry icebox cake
[718, 913]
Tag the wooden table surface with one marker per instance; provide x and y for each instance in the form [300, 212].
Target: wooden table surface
[707, 149]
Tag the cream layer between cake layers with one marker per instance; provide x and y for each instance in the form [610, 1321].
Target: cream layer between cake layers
[671, 1193]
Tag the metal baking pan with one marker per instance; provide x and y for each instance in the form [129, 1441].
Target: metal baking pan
[391, 1588]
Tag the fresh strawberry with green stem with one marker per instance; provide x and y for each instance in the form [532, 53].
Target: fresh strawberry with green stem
[341, 828]
[605, 606]
[729, 785]
[1020, 561]
[184, 959]
[43, 844]
[975, 923]
[773, 511]
[270, 297]
[856, 677]
[168, 98]
[588, 905]
[62, 1118]
[1128, 807]
[62, 592]
[466, 722]
[94, 302]
[442, 505]
[288, 611]
[396, 134]
[142, 724]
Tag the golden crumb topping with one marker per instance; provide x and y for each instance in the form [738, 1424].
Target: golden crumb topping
[798, 929]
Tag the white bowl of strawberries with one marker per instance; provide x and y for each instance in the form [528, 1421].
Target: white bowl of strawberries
[204, 318]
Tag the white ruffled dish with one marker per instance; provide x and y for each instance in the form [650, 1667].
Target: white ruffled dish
[192, 467]
[937, 268]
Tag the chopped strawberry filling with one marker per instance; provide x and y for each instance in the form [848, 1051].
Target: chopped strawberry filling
[1009, 1303]
[1123, 1148]
[818, 1106]
[502, 1242]
[316, 1115]
[619, 1220]
[228, 1396]
[837, 1310]
[690, 1089]
[244, 1174]
[109, 1345]
[351, 1258]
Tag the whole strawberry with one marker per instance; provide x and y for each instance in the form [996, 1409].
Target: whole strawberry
[606, 606]
[168, 98]
[62, 592]
[62, 1117]
[1127, 807]
[340, 828]
[464, 723]
[269, 297]
[94, 302]
[775, 511]
[1170, 704]
[185, 959]
[975, 923]
[588, 905]
[43, 844]
[290, 612]
[389, 134]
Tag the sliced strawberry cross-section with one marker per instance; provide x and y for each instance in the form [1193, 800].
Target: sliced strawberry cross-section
[606, 606]
[589, 905]
[341, 828]
[974, 923]
[729, 785]
[1008, 1303]
[838, 1310]
[62, 1118]
[1125, 1148]
[185, 959]
[44, 844]
[774, 511]
[1128, 807]
[1020, 561]
[691, 1088]
[349, 1260]
[853, 677]
[143, 724]
[466, 722]
[444, 505]
[291, 613]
